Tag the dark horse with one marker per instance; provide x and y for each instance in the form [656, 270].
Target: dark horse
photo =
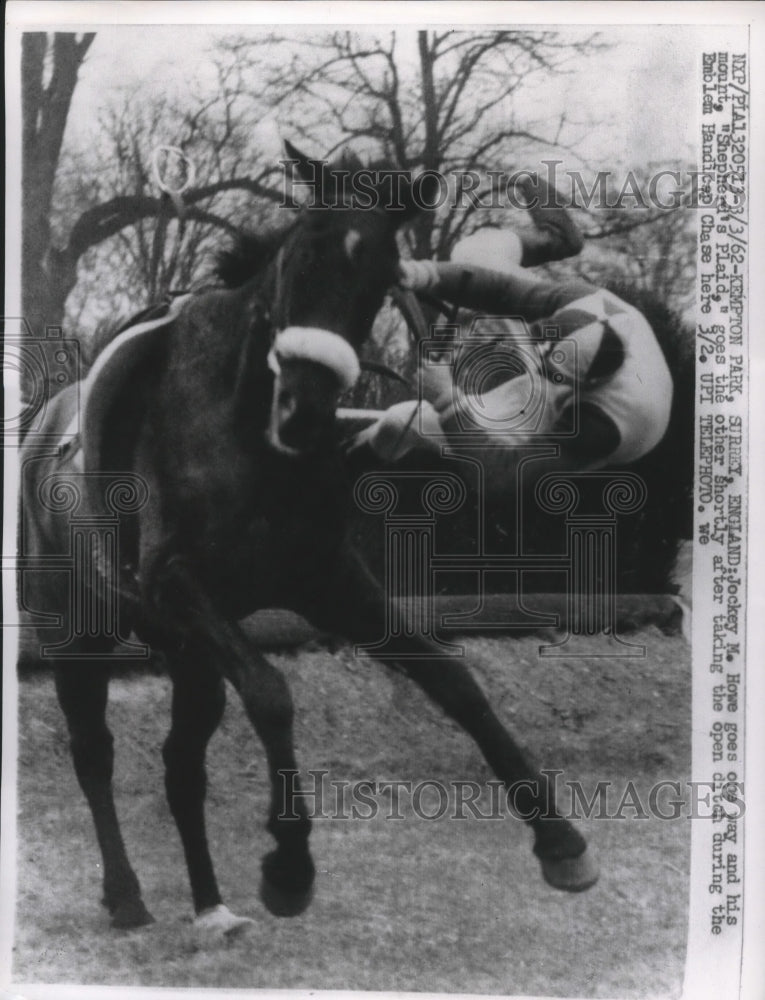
[228, 426]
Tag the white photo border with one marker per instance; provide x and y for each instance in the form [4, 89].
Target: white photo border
[21, 15]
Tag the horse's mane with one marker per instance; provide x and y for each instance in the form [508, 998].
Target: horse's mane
[248, 254]
[250, 251]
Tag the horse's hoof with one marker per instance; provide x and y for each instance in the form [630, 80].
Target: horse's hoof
[130, 913]
[571, 874]
[218, 923]
[286, 889]
[283, 903]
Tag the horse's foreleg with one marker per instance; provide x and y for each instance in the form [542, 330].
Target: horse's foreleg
[354, 606]
[82, 692]
[199, 698]
[288, 872]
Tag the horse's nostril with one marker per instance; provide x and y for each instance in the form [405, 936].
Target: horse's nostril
[288, 404]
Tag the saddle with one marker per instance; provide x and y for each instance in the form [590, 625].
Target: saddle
[77, 420]
[110, 373]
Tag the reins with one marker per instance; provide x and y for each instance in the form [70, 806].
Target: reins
[281, 315]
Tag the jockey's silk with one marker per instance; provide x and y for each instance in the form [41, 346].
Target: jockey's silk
[499, 250]
[637, 396]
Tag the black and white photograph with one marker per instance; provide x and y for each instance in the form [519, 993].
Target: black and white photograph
[377, 495]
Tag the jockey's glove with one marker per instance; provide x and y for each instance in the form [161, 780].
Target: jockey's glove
[401, 428]
[417, 275]
[437, 386]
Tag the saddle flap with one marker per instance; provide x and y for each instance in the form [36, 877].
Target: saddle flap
[111, 372]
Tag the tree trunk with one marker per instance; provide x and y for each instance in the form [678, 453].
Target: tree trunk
[47, 275]
[423, 227]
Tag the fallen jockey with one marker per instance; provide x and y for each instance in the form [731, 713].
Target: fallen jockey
[606, 389]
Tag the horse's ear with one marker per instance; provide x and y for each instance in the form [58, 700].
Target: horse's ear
[422, 194]
[308, 170]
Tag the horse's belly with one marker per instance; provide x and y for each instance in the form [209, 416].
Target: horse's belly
[272, 567]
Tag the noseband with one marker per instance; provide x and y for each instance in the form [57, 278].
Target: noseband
[311, 343]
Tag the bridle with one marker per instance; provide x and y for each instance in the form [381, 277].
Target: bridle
[279, 312]
[310, 343]
[408, 304]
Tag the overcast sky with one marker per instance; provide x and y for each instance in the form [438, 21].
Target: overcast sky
[642, 91]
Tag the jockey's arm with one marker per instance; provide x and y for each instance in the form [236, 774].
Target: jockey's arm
[429, 425]
[497, 294]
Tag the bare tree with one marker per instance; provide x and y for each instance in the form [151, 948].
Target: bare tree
[644, 241]
[49, 71]
[445, 101]
[71, 206]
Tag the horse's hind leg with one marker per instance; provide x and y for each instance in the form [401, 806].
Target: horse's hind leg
[82, 689]
[353, 605]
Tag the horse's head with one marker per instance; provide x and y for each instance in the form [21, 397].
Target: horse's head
[329, 279]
